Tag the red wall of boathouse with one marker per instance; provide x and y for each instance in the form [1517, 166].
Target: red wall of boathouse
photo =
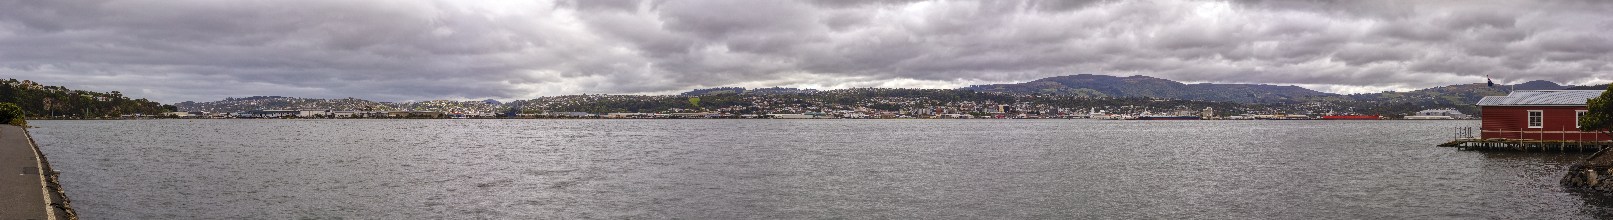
[1511, 122]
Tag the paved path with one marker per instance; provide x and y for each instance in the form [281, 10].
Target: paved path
[21, 196]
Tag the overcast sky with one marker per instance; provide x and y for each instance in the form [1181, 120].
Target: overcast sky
[389, 50]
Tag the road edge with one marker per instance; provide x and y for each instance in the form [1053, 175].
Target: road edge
[46, 180]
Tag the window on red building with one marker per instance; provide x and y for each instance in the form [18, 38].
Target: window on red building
[1535, 119]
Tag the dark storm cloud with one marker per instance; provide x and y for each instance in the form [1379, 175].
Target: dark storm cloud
[414, 50]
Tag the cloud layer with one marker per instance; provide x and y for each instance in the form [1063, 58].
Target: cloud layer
[415, 50]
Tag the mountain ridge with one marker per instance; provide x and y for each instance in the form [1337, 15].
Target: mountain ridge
[1094, 85]
[1090, 85]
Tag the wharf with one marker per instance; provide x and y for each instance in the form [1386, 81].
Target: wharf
[23, 183]
[1527, 145]
[1466, 138]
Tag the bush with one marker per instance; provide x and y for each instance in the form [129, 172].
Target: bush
[13, 115]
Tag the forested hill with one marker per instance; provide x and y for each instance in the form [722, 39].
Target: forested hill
[1595, 87]
[1087, 85]
[56, 101]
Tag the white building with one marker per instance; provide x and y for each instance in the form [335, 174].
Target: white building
[347, 114]
[312, 113]
[177, 114]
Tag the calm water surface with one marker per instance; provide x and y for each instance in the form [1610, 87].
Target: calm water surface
[766, 169]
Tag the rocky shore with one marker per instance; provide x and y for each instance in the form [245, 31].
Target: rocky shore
[1595, 173]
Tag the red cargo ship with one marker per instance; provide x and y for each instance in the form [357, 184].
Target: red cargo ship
[1351, 117]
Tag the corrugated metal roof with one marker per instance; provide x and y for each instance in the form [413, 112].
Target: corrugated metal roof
[1541, 97]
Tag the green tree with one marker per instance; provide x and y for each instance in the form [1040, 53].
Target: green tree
[1599, 116]
[12, 114]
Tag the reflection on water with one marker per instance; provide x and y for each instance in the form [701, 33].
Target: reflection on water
[725, 169]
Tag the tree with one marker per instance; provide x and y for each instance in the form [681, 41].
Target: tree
[12, 114]
[1599, 116]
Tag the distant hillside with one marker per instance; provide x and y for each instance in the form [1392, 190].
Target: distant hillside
[1087, 85]
[1460, 97]
[1538, 85]
[279, 102]
[46, 101]
[743, 91]
[1595, 87]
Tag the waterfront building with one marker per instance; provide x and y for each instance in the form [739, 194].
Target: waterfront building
[266, 113]
[571, 114]
[348, 114]
[1438, 114]
[415, 114]
[629, 115]
[1537, 115]
[695, 115]
[809, 115]
[190, 114]
[313, 113]
[957, 116]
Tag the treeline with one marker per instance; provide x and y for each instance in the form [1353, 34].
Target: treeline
[41, 101]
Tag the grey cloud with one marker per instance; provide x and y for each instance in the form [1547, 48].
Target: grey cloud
[1364, 54]
[415, 50]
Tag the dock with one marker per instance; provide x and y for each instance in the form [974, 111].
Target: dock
[1528, 145]
[1467, 138]
[26, 181]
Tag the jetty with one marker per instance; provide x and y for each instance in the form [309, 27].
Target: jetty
[1528, 145]
[27, 182]
[1464, 138]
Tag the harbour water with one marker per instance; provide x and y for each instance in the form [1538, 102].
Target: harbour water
[769, 169]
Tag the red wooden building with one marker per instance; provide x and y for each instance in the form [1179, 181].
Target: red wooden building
[1537, 115]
